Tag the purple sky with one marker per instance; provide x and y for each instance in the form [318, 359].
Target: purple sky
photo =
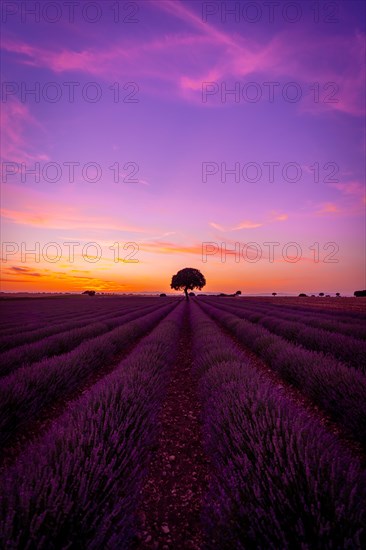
[174, 133]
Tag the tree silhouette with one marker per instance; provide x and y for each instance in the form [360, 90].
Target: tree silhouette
[359, 293]
[188, 279]
[321, 293]
[238, 293]
[338, 294]
[274, 293]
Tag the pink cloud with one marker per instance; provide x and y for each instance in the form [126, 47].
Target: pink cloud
[164, 247]
[58, 61]
[243, 225]
[217, 226]
[60, 217]
[15, 122]
[287, 54]
[351, 189]
[247, 225]
[220, 56]
[150, 58]
[328, 208]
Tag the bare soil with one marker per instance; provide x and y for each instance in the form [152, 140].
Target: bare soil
[171, 499]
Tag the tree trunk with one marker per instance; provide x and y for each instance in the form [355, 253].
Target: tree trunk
[186, 293]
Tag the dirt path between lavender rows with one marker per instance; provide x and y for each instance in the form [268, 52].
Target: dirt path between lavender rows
[171, 499]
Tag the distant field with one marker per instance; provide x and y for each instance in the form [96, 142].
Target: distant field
[341, 303]
[139, 422]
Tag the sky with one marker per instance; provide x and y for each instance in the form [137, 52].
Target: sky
[140, 138]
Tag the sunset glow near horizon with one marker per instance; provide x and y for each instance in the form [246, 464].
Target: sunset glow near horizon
[204, 125]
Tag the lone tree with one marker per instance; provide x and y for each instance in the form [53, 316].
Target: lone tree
[338, 294]
[188, 279]
[274, 293]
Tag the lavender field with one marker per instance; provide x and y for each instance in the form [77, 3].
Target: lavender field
[214, 423]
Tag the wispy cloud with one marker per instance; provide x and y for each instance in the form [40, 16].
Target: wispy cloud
[168, 247]
[219, 56]
[327, 208]
[289, 53]
[54, 278]
[218, 226]
[57, 217]
[353, 189]
[247, 225]
[15, 123]
[24, 270]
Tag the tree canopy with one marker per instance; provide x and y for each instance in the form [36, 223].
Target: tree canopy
[188, 279]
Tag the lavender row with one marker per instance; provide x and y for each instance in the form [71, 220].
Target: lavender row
[27, 322]
[344, 348]
[78, 486]
[29, 391]
[339, 390]
[9, 340]
[12, 338]
[19, 313]
[40, 313]
[64, 341]
[279, 479]
[343, 316]
[356, 316]
[356, 330]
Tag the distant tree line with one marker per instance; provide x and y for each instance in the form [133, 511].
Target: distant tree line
[359, 293]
